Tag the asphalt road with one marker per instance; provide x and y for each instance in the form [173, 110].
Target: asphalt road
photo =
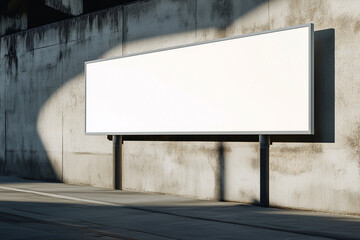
[42, 210]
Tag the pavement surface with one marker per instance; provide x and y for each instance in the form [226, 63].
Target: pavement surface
[42, 210]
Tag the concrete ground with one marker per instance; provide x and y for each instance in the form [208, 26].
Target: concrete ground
[41, 210]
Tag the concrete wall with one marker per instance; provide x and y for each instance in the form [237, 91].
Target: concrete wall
[43, 100]
[70, 7]
[13, 17]
[42, 105]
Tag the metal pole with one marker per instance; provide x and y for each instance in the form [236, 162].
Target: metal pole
[264, 170]
[117, 162]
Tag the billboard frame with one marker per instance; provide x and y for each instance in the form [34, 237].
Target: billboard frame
[310, 90]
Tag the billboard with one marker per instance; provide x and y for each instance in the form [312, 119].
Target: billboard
[259, 83]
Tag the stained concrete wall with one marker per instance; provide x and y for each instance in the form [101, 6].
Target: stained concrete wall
[13, 17]
[73, 7]
[43, 100]
[42, 106]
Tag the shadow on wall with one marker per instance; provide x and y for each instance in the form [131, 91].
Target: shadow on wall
[324, 81]
[220, 184]
[35, 74]
[324, 102]
[25, 152]
[35, 77]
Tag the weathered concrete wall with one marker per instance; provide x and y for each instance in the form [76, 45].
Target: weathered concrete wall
[42, 105]
[324, 176]
[13, 17]
[43, 100]
[70, 7]
[320, 172]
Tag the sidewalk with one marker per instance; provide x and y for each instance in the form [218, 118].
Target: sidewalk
[41, 210]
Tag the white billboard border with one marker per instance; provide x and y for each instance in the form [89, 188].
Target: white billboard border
[311, 87]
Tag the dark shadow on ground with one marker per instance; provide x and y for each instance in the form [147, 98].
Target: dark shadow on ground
[179, 222]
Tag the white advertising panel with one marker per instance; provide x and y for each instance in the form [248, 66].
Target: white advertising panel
[259, 83]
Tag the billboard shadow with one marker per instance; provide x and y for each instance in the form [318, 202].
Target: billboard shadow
[324, 103]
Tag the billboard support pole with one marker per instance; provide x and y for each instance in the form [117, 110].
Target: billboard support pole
[117, 161]
[264, 170]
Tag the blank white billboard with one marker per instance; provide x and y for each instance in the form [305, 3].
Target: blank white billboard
[259, 83]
